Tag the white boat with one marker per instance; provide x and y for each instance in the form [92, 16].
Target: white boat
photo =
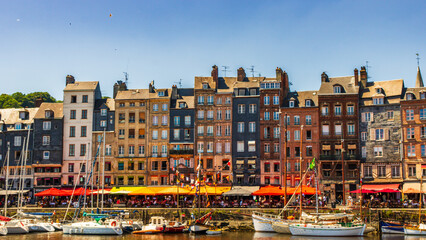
[331, 230]
[38, 226]
[281, 226]
[415, 230]
[3, 229]
[214, 232]
[16, 227]
[198, 229]
[57, 226]
[109, 227]
[263, 222]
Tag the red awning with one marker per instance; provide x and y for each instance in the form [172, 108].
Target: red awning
[381, 187]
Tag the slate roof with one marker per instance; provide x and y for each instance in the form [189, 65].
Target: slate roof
[301, 97]
[392, 90]
[11, 115]
[348, 84]
[57, 109]
[132, 94]
[81, 86]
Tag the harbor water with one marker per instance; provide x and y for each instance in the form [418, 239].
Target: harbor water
[183, 236]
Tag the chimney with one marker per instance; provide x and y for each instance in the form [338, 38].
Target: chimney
[119, 86]
[286, 85]
[151, 86]
[38, 102]
[363, 74]
[69, 80]
[279, 74]
[241, 74]
[356, 77]
[174, 92]
[215, 75]
[324, 77]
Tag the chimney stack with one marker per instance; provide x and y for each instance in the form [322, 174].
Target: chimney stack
[356, 77]
[69, 80]
[151, 86]
[324, 77]
[174, 92]
[215, 73]
[241, 74]
[363, 74]
[279, 74]
[119, 86]
[38, 102]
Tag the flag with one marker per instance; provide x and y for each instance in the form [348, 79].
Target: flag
[312, 165]
[423, 166]
[228, 163]
[208, 204]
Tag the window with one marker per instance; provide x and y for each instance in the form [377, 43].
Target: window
[423, 132]
[164, 120]
[378, 101]
[82, 149]
[141, 150]
[412, 170]
[297, 151]
[308, 119]
[218, 147]
[276, 100]
[338, 129]
[201, 100]
[309, 151]
[364, 136]
[219, 115]
[155, 107]
[337, 89]
[17, 141]
[378, 151]
[240, 146]
[72, 114]
[164, 107]
[266, 132]
[210, 115]
[351, 129]
[350, 110]
[267, 167]
[120, 150]
[83, 114]
[276, 148]
[411, 151]
[85, 99]
[200, 147]
[252, 127]
[325, 130]
[276, 132]
[276, 116]
[252, 108]
[267, 147]
[205, 85]
[176, 134]
[291, 104]
[218, 131]
[228, 115]
[164, 134]
[296, 120]
[266, 100]
[266, 116]
[200, 130]
[395, 171]
[154, 150]
[155, 120]
[380, 134]
[176, 120]
[228, 100]
[409, 114]
[47, 125]
[71, 151]
[108, 150]
[210, 147]
[240, 127]
[72, 131]
[120, 166]
[390, 114]
[210, 131]
[227, 130]
[423, 114]
[423, 150]
[422, 95]
[324, 111]
[210, 100]
[288, 136]
[200, 115]
[308, 102]
[187, 120]
[338, 110]
[103, 112]
[366, 117]
[308, 135]
[70, 167]
[410, 133]
[241, 108]
[296, 135]
[73, 99]
[46, 155]
[368, 171]
[131, 150]
[83, 131]
[227, 147]
[252, 146]
[122, 104]
[297, 166]
[103, 123]
[218, 100]
[46, 140]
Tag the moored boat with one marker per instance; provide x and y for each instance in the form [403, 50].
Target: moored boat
[331, 230]
[262, 222]
[198, 229]
[391, 228]
[16, 227]
[214, 232]
[415, 230]
[110, 227]
[156, 225]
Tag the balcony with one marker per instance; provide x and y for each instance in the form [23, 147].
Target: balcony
[329, 157]
[130, 182]
[131, 120]
[154, 155]
[141, 136]
[163, 154]
[120, 136]
[324, 114]
[182, 151]
[131, 136]
[141, 120]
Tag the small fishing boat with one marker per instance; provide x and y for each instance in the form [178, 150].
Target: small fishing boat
[415, 230]
[330, 230]
[174, 227]
[390, 227]
[3, 229]
[156, 225]
[198, 229]
[214, 232]
[108, 227]
[262, 222]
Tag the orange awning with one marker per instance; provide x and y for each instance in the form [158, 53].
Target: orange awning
[269, 191]
[305, 190]
[380, 187]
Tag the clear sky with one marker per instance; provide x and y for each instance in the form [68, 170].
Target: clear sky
[43, 41]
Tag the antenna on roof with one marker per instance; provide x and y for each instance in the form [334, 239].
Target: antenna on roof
[126, 78]
[251, 68]
[179, 82]
[418, 59]
[225, 69]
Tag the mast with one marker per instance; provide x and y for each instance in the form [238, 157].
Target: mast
[316, 188]
[7, 179]
[360, 201]
[343, 173]
[420, 200]
[300, 169]
[103, 172]
[199, 184]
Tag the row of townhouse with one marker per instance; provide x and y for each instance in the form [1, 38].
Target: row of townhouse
[235, 127]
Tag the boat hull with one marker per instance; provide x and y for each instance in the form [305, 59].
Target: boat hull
[214, 232]
[326, 230]
[408, 231]
[196, 229]
[41, 227]
[262, 223]
[91, 229]
[178, 229]
[281, 227]
[16, 227]
[391, 228]
[3, 230]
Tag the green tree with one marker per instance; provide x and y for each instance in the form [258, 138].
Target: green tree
[22, 99]
[7, 101]
[35, 95]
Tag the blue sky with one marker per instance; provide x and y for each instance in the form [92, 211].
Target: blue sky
[43, 41]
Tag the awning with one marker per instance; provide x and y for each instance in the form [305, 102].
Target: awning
[413, 187]
[251, 161]
[123, 190]
[240, 162]
[12, 192]
[326, 147]
[240, 191]
[381, 187]
[173, 190]
[269, 191]
[352, 146]
[210, 190]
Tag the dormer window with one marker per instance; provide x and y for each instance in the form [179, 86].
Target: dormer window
[103, 112]
[378, 101]
[423, 95]
[337, 89]
[161, 93]
[48, 114]
[24, 115]
[378, 90]
[291, 104]
[308, 102]
[18, 126]
[409, 96]
[182, 105]
[205, 86]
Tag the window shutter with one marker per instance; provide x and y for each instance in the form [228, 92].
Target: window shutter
[363, 117]
[386, 130]
[372, 134]
[371, 117]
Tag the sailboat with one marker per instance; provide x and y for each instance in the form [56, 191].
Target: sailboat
[420, 229]
[100, 224]
[342, 229]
